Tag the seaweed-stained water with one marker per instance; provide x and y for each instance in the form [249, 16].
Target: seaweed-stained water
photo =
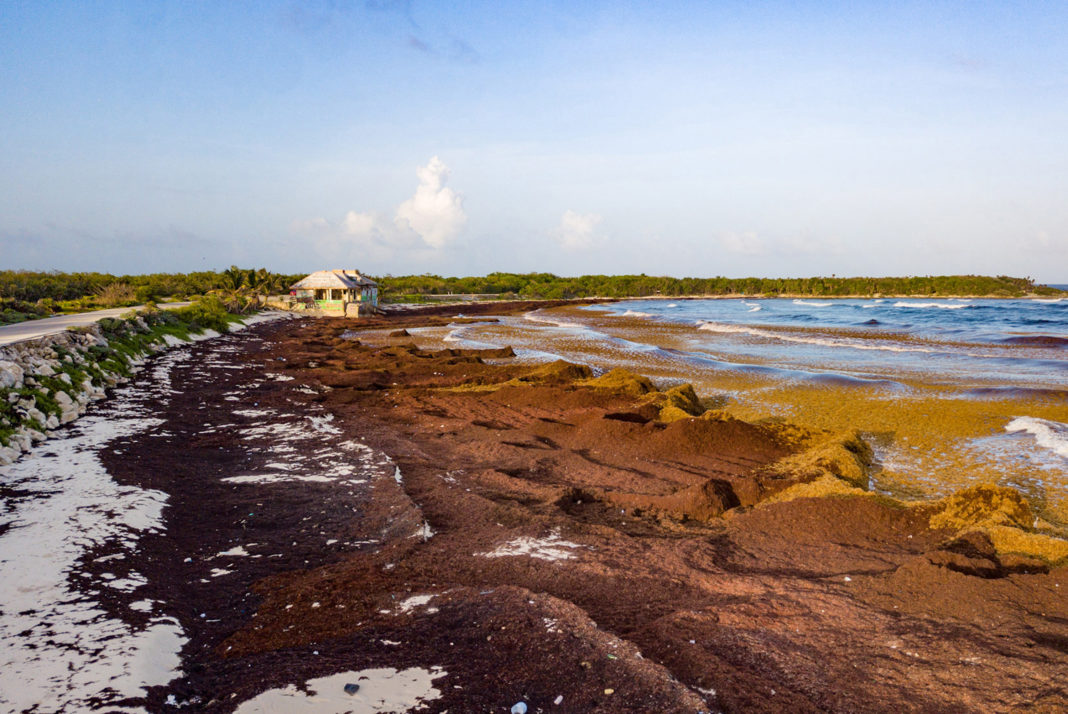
[949, 392]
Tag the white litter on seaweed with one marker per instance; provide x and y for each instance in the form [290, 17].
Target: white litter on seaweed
[415, 601]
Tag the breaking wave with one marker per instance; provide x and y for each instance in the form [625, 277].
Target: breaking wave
[924, 305]
[812, 303]
[1050, 435]
[826, 342]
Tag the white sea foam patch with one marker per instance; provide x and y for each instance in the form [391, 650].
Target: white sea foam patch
[61, 650]
[929, 305]
[634, 313]
[1048, 300]
[812, 303]
[552, 547]
[753, 307]
[826, 342]
[1050, 435]
[547, 321]
[374, 691]
[458, 335]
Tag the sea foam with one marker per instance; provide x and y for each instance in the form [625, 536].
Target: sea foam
[1050, 435]
[823, 341]
[812, 303]
[923, 305]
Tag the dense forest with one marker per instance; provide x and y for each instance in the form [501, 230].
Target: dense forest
[549, 286]
[27, 294]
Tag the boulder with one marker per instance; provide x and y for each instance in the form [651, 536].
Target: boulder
[37, 415]
[10, 375]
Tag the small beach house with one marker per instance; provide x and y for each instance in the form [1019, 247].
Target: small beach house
[336, 292]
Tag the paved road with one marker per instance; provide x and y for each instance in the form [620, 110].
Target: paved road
[32, 329]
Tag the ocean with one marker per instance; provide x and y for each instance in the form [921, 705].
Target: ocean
[948, 392]
[984, 343]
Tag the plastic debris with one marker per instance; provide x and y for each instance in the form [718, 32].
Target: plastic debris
[519, 708]
[351, 688]
[559, 700]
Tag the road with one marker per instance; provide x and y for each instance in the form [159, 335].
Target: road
[32, 329]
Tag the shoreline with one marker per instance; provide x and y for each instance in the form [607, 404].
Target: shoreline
[736, 296]
[532, 462]
[342, 508]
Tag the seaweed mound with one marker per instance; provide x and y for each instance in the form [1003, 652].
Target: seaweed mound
[843, 456]
[1003, 515]
[983, 505]
[558, 372]
[624, 382]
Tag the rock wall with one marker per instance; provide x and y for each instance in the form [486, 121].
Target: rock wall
[49, 381]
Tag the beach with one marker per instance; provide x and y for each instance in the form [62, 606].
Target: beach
[435, 508]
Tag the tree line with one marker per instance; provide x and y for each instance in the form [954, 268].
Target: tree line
[35, 294]
[26, 294]
[553, 287]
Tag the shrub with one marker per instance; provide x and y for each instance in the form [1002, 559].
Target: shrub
[207, 313]
[115, 295]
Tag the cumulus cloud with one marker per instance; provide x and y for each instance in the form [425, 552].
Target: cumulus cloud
[743, 243]
[430, 219]
[578, 231]
[435, 212]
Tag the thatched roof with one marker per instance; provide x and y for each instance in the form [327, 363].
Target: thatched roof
[333, 279]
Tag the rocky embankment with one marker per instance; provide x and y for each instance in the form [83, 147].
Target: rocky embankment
[49, 381]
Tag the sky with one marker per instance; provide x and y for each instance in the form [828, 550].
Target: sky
[768, 139]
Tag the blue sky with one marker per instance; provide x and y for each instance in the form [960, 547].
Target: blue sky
[770, 139]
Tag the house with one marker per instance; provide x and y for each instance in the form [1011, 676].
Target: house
[336, 292]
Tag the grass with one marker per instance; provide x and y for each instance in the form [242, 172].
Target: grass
[129, 339]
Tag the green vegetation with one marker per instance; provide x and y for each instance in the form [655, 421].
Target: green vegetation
[551, 287]
[27, 295]
[129, 338]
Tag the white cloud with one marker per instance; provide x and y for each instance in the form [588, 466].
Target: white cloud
[578, 232]
[745, 243]
[359, 224]
[435, 212]
[429, 220]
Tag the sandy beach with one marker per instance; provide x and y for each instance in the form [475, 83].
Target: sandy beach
[461, 530]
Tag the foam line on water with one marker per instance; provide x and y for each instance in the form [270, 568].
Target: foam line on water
[1048, 434]
[824, 342]
[931, 305]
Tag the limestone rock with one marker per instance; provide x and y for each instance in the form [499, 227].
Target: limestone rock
[10, 375]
